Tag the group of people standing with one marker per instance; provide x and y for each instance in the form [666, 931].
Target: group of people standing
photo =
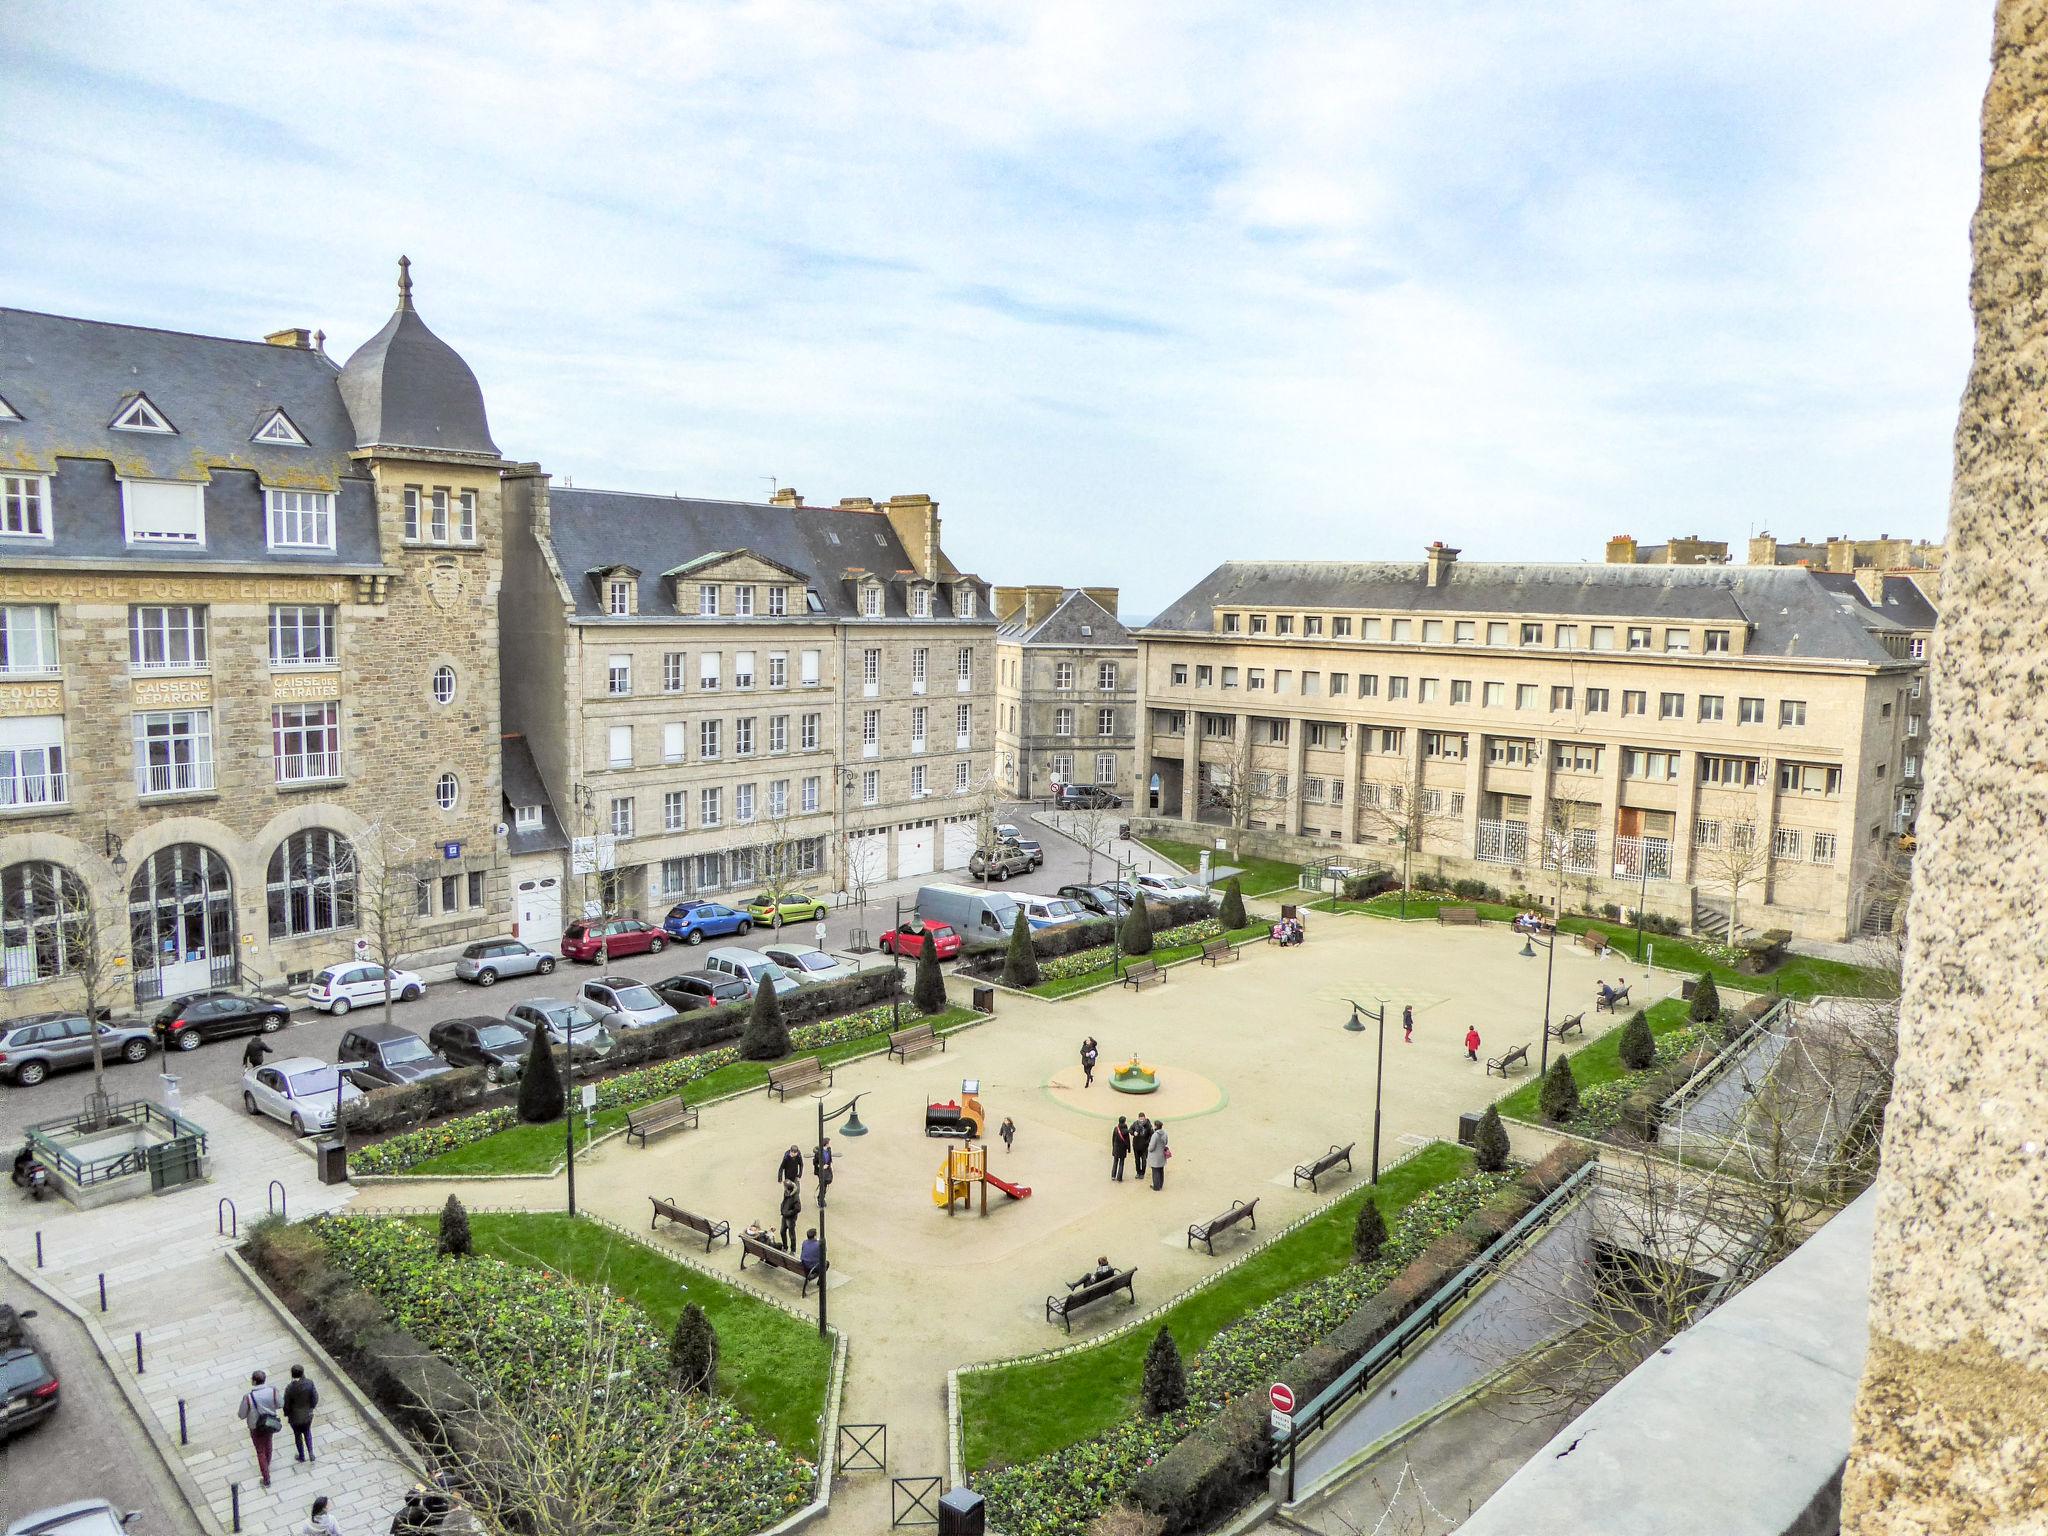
[1143, 1141]
[789, 1173]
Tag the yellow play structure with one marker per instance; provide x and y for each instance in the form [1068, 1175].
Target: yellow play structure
[966, 1170]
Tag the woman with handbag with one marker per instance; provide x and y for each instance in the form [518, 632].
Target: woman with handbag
[1161, 1151]
[263, 1411]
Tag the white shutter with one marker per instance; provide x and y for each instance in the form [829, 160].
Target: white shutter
[32, 731]
[164, 510]
[707, 669]
[621, 746]
[810, 669]
[672, 742]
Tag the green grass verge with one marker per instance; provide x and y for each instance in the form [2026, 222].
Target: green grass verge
[1020, 1411]
[539, 1148]
[1261, 876]
[1164, 955]
[774, 1366]
[1597, 1063]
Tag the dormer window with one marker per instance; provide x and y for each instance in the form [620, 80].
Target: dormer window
[743, 601]
[8, 412]
[277, 428]
[618, 599]
[527, 818]
[778, 602]
[24, 507]
[163, 512]
[139, 415]
[300, 519]
[812, 602]
[707, 601]
[871, 601]
[966, 602]
[920, 603]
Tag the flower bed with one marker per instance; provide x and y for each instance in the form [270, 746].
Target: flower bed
[1082, 961]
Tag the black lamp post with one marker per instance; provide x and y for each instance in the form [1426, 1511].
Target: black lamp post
[1357, 1026]
[1549, 973]
[569, 1092]
[850, 1111]
[1643, 862]
[896, 965]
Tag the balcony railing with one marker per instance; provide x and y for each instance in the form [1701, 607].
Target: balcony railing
[1632, 855]
[1502, 842]
[296, 767]
[34, 789]
[1580, 851]
[174, 778]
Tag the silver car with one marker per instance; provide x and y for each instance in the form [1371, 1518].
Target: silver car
[300, 1090]
[566, 1022]
[484, 963]
[32, 1048]
[807, 963]
[623, 1003]
[87, 1517]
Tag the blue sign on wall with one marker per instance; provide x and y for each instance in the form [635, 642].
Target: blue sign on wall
[451, 850]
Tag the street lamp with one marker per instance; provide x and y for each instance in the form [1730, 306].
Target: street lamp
[850, 1110]
[1643, 864]
[1357, 1026]
[569, 1091]
[1549, 973]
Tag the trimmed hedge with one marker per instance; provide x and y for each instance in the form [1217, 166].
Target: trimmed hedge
[984, 957]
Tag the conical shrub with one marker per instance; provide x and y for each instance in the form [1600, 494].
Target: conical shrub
[540, 1083]
[693, 1350]
[766, 1037]
[1020, 965]
[1706, 1002]
[1231, 913]
[1560, 1091]
[1638, 1047]
[1369, 1232]
[929, 991]
[1137, 934]
[454, 1241]
[1166, 1378]
[1490, 1145]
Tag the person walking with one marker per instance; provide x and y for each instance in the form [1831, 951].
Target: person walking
[792, 1207]
[254, 1052]
[821, 1165]
[301, 1397]
[792, 1166]
[1119, 1149]
[1088, 1055]
[1408, 1024]
[1472, 1043]
[1160, 1150]
[318, 1521]
[1008, 1131]
[263, 1412]
[1141, 1142]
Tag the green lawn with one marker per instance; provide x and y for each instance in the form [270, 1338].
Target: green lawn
[774, 1366]
[1020, 1411]
[1164, 955]
[539, 1148]
[1261, 876]
[1597, 1063]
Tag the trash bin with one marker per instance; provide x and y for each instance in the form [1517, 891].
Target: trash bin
[1123, 831]
[984, 999]
[962, 1513]
[331, 1158]
[1468, 1127]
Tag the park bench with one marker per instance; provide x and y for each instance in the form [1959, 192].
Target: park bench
[804, 1072]
[1139, 972]
[1322, 1165]
[1507, 1061]
[668, 1114]
[1216, 951]
[776, 1258]
[1206, 1231]
[712, 1230]
[1570, 1024]
[1458, 917]
[1609, 1004]
[1061, 1309]
[903, 1043]
[1592, 939]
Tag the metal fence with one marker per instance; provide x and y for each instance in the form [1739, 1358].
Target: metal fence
[83, 1174]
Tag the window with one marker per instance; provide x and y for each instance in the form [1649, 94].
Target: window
[1340, 628]
[1404, 631]
[1730, 772]
[920, 603]
[1432, 631]
[1603, 637]
[870, 731]
[1427, 689]
[917, 781]
[618, 675]
[1639, 637]
[778, 733]
[743, 736]
[1230, 677]
[1397, 688]
[743, 601]
[465, 513]
[422, 895]
[620, 817]
[918, 717]
[1062, 768]
[1105, 722]
[301, 636]
[672, 742]
[920, 668]
[1564, 637]
[963, 778]
[1063, 675]
[812, 787]
[621, 744]
[163, 512]
[1339, 683]
[871, 786]
[1283, 624]
[1063, 722]
[1525, 695]
[28, 641]
[1639, 764]
[672, 672]
[807, 670]
[173, 751]
[1448, 745]
[871, 670]
[300, 519]
[1392, 740]
[1276, 732]
[140, 415]
[32, 761]
[437, 515]
[809, 739]
[1717, 642]
[1821, 850]
[1464, 632]
[1219, 725]
[1711, 708]
[1706, 834]
[778, 602]
[1742, 836]
[1596, 701]
[675, 877]
[1311, 684]
[711, 807]
[1230, 623]
[1258, 623]
[707, 739]
[707, 671]
[1912, 725]
[1670, 706]
[1634, 701]
[166, 639]
[1496, 632]
[1461, 691]
[618, 599]
[1105, 676]
[778, 669]
[871, 601]
[1508, 751]
[1575, 757]
[1917, 648]
[1677, 641]
[963, 723]
[1532, 634]
[1750, 711]
[964, 668]
[1494, 695]
[1791, 712]
[312, 884]
[305, 741]
[476, 887]
[24, 507]
[444, 685]
[710, 871]
[412, 512]
[1205, 677]
[1179, 674]
[1785, 843]
[743, 803]
[447, 791]
[1255, 679]
[707, 600]
[1560, 699]
[743, 669]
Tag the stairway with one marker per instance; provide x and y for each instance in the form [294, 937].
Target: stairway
[1710, 920]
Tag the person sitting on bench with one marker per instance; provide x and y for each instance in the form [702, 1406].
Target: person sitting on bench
[1103, 1270]
[812, 1253]
[1607, 995]
[760, 1234]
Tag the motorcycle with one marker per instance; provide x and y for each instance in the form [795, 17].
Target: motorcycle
[31, 1175]
[426, 1509]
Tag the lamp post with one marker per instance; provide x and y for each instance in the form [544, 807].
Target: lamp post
[569, 1092]
[1357, 1026]
[896, 966]
[850, 1110]
[1643, 865]
[1549, 972]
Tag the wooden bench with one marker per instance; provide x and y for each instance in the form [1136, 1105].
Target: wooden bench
[904, 1043]
[1609, 1004]
[804, 1072]
[1205, 1231]
[669, 1114]
[1458, 917]
[1322, 1165]
[712, 1230]
[1592, 939]
[1061, 1309]
[1570, 1024]
[1216, 951]
[775, 1258]
[1508, 1061]
[1140, 972]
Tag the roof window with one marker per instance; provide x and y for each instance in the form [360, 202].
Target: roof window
[139, 415]
[278, 428]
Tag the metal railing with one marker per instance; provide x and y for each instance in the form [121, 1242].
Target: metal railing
[173, 778]
[54, 1154]
[1633, 854]
[1723, 1062]
[24, 788]
[1502, 842]
[296, 767]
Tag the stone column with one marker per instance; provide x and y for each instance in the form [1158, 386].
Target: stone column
[1297, 748]
[1354, 777]
[1191, 768]
[1139, 794]
[1951, 1429]
[1688, 813]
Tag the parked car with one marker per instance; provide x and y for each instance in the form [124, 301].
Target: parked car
[388, 1055]
[773, 911]
[701, 989]
[494, 1045]
[566, 1022]
[968, 910]
[1086, 797]
[614, 937]
[1006, 832]
[341, 987]
[695, 921]
[1099, 899]
[909, 940]
[87, 1517]
[300, 1090]
[751, 966]
[28, 1381]
[1167, 885]
[185, 1023]
[620, 1002]
[1030, 848]
[484, 963]
[1049, 911]
[33, 1047]
[808, 962]
[999, 863]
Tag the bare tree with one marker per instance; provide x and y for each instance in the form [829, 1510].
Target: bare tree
[392, 894]
[1736, 858]
[1409, 815]
[56, 929]
[1238, 786]
[1092, 825]
[985, 800]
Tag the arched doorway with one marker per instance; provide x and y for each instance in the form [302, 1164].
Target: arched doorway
[45, 923]
[181, 919]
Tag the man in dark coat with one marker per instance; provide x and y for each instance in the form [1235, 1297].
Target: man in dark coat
[792, 1165]
[1141, 1140]
[792, 1207]
[1119, 1149]
[301, 1397]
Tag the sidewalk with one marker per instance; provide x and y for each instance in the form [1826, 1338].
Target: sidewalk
[204, 1330]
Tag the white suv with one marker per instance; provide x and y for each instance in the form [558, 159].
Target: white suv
[358, 984]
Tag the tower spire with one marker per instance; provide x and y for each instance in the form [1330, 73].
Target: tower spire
[405, 282]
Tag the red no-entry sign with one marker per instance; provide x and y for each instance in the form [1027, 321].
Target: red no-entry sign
[1283, 1397]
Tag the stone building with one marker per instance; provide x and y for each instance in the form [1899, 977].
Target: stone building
[1066, 690]
[1691, 737]
[1690, 550]
[1883, 553]
[249, 686]
[725, 696]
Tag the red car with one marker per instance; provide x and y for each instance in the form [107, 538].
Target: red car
[617, 936]
[908, 941]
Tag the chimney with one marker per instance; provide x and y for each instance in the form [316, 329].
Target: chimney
[295, 337]
[856, 503]
[1006, 601]
[916, 521]
[1871, 580]
[786, 496]
[1106, 596]
[1621, 549]
[1441, 558]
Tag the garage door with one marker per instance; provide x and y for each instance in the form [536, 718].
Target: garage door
[916, 850]
[540, 912]
[867, 859]
[959, 844]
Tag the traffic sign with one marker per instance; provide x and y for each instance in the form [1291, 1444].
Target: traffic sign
[1282, 1396]
[1283, 1423]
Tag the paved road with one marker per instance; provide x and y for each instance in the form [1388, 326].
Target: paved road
[92, 1448]
[215, 1070]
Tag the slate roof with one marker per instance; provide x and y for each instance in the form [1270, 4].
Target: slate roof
[523, 786]
[592, 530]
[1062, 627]
[1790, 612]
[407, 388]
[1905, 603]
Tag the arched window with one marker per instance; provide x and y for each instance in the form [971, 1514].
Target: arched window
[312, 886]
[45, 923]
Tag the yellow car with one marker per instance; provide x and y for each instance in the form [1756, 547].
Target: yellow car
[774, 911]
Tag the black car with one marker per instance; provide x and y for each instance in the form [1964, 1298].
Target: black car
[185, 1023]
[701, 989]
[1099, 899]
[492, 1044]
[1086, 797]
[388, 1054]
[28, 1382]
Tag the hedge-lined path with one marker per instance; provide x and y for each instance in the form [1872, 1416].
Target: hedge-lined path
[204, 1330]
[919, 1293]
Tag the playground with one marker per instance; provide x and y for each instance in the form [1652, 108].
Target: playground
[934, 1265]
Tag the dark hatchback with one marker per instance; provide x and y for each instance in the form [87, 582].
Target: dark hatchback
[388, 1055]
[499, 1048]
[28, 1382]
[185, 1023]
[701, 989]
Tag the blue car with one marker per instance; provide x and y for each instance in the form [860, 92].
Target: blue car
[695, 921]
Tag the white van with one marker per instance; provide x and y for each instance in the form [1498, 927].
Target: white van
[1049, 911]
[750, 966]
[976, 915]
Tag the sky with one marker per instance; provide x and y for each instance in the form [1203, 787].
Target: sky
[1131, 288]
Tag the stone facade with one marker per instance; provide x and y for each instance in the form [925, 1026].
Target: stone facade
[1689, 550]
[1065, 668]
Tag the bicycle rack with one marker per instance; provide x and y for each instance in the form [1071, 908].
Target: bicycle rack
[225, 1221]
[276, 1203]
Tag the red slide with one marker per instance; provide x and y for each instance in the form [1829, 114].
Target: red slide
[1014, 1191]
